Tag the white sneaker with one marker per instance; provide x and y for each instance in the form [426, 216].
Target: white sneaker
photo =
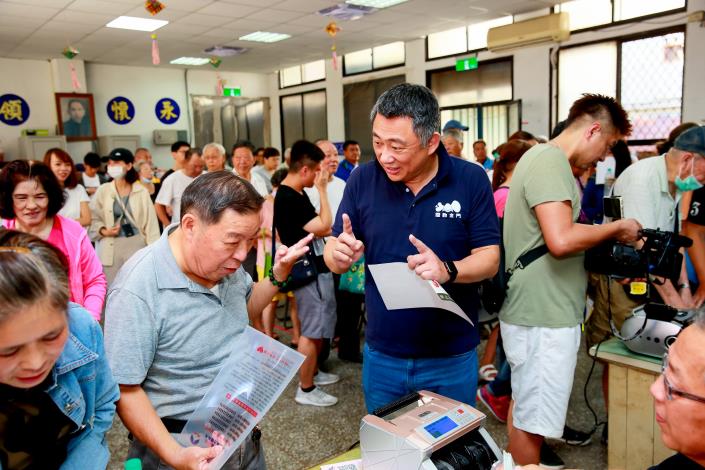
[324, 378]
[315, 397]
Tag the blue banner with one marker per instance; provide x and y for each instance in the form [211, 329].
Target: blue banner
[167, 111]
[121, 110]
[14, 110]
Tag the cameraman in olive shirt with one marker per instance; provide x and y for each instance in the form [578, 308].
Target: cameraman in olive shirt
[541, 316]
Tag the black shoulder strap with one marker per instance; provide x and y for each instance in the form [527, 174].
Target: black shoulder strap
[529, 257]
[525, 259]
[274, 240]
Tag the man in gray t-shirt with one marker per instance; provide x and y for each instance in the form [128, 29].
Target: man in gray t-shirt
[174, 311]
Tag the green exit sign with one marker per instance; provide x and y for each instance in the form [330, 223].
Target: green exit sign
[231, 91]
[466, 64]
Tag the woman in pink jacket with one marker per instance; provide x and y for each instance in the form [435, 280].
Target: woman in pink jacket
[30, 199]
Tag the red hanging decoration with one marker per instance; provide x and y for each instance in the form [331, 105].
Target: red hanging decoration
[219, 85]
[333, 29]
[335, 59]
[155, 50]
[74, 78]
[154, 6]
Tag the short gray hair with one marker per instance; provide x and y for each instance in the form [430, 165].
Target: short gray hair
[413, 101]
[140, 164]
[457, 134]
[214, 145]
[210, 195]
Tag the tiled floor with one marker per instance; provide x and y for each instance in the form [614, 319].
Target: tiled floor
[297, 437]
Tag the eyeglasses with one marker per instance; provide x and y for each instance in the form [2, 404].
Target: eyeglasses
[670, 390]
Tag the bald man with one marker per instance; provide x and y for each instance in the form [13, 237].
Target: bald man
[336, 185]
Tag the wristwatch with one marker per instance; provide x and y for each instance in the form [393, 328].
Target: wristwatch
[452, 270]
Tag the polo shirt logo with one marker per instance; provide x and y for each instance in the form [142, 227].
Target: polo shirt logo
[449, 210]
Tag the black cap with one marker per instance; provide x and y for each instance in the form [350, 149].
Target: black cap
[121, 155]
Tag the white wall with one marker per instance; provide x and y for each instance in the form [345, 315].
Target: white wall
[36, 81]
[144, 86]
[32, 80]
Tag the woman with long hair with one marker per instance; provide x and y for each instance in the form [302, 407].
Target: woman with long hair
[30, 200]
[124, 219]
[76, 203]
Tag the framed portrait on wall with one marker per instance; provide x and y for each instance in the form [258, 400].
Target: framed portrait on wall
[76, 116]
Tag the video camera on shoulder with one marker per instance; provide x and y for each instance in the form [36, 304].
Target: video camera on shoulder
[658, 256]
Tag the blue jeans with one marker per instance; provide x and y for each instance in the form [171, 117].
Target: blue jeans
[502, 383]
[388, 378]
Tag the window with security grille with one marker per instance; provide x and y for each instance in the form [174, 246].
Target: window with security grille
[645, 74]
[651, 84]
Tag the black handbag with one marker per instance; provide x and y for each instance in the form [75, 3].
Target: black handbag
[303, 272]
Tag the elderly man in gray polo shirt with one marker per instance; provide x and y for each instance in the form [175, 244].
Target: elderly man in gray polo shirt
[173, 312]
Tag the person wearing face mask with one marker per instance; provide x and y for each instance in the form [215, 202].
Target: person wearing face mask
[124, 219]
[651, 191]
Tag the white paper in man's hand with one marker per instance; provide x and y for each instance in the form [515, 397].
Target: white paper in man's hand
[400, 287]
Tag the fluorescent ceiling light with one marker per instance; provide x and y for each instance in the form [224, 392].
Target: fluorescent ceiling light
[262, 36]
[137, 24]
[190, 61]
[375, 3]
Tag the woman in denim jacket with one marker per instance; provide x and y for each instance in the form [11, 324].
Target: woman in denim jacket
[57, 394]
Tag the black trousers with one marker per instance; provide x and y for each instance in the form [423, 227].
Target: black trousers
[349, 314]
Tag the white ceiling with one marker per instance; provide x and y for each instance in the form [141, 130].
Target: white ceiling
[40, 29]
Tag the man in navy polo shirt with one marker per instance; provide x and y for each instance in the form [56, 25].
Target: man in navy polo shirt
[417, 204]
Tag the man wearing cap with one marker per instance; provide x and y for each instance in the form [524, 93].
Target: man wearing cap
[351, 152]
[651, 191]
[455, 124]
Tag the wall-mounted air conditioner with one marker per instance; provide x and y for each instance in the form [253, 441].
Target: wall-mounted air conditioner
[554, 27]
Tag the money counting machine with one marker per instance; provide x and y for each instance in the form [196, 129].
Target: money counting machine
[426, 431]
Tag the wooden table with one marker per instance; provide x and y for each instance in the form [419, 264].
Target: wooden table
[634, 436]
[352, 454]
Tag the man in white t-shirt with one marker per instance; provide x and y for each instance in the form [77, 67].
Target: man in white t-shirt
[243, 161]
[91, 178]
[173, 187]
[271, 162]
[336, 185]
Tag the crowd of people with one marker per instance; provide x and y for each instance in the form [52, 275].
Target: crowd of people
[171, 266]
